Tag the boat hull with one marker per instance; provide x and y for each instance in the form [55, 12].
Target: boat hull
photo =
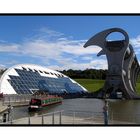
[44, 103]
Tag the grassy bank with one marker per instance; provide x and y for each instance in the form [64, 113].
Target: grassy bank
[93, 85]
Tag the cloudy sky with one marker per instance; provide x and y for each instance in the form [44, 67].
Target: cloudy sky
[57, 41]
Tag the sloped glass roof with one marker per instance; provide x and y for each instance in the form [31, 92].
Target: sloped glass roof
[29, 81]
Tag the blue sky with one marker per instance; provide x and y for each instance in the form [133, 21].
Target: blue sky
[57, 41]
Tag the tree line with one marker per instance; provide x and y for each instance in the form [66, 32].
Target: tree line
[85, 74]
[82, 74]
[2, 71]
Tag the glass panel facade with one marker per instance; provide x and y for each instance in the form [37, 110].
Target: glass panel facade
[29, 81]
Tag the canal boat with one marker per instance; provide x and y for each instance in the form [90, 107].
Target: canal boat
[40, 102]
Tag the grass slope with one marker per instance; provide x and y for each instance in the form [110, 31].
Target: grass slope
[93, 85]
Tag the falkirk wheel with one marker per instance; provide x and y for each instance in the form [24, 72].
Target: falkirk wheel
[123, 66]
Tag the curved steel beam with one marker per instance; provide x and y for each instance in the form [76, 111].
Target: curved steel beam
[123, 67]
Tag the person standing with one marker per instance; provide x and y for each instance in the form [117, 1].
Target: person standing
[105, 112]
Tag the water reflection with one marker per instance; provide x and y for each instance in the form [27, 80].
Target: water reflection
[121, 110]
[87, 105]
[125, 110]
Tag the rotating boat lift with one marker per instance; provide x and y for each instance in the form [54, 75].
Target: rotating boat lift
[123, 66]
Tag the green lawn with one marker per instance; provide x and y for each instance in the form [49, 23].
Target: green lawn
[90, 84]
[93, 85]
[138, 87]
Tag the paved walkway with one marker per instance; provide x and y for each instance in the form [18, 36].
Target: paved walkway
[2, 107]
[49, 121]
[68, 120]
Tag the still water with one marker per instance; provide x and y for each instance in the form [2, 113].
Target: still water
[121, 110]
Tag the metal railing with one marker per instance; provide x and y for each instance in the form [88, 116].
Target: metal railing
[124, 118]
[60, 118]
[71, 117]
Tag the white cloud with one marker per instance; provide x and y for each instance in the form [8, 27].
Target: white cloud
[52, 45]
[48, 32]
[12, 62]
[41, 48]
[136, 45]
[2, 41]
[51, 49]
[9, 48]
[2, 67]
[6, 63]
[79, 50]
[135, 42]
[87, 58]
[94, 64]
